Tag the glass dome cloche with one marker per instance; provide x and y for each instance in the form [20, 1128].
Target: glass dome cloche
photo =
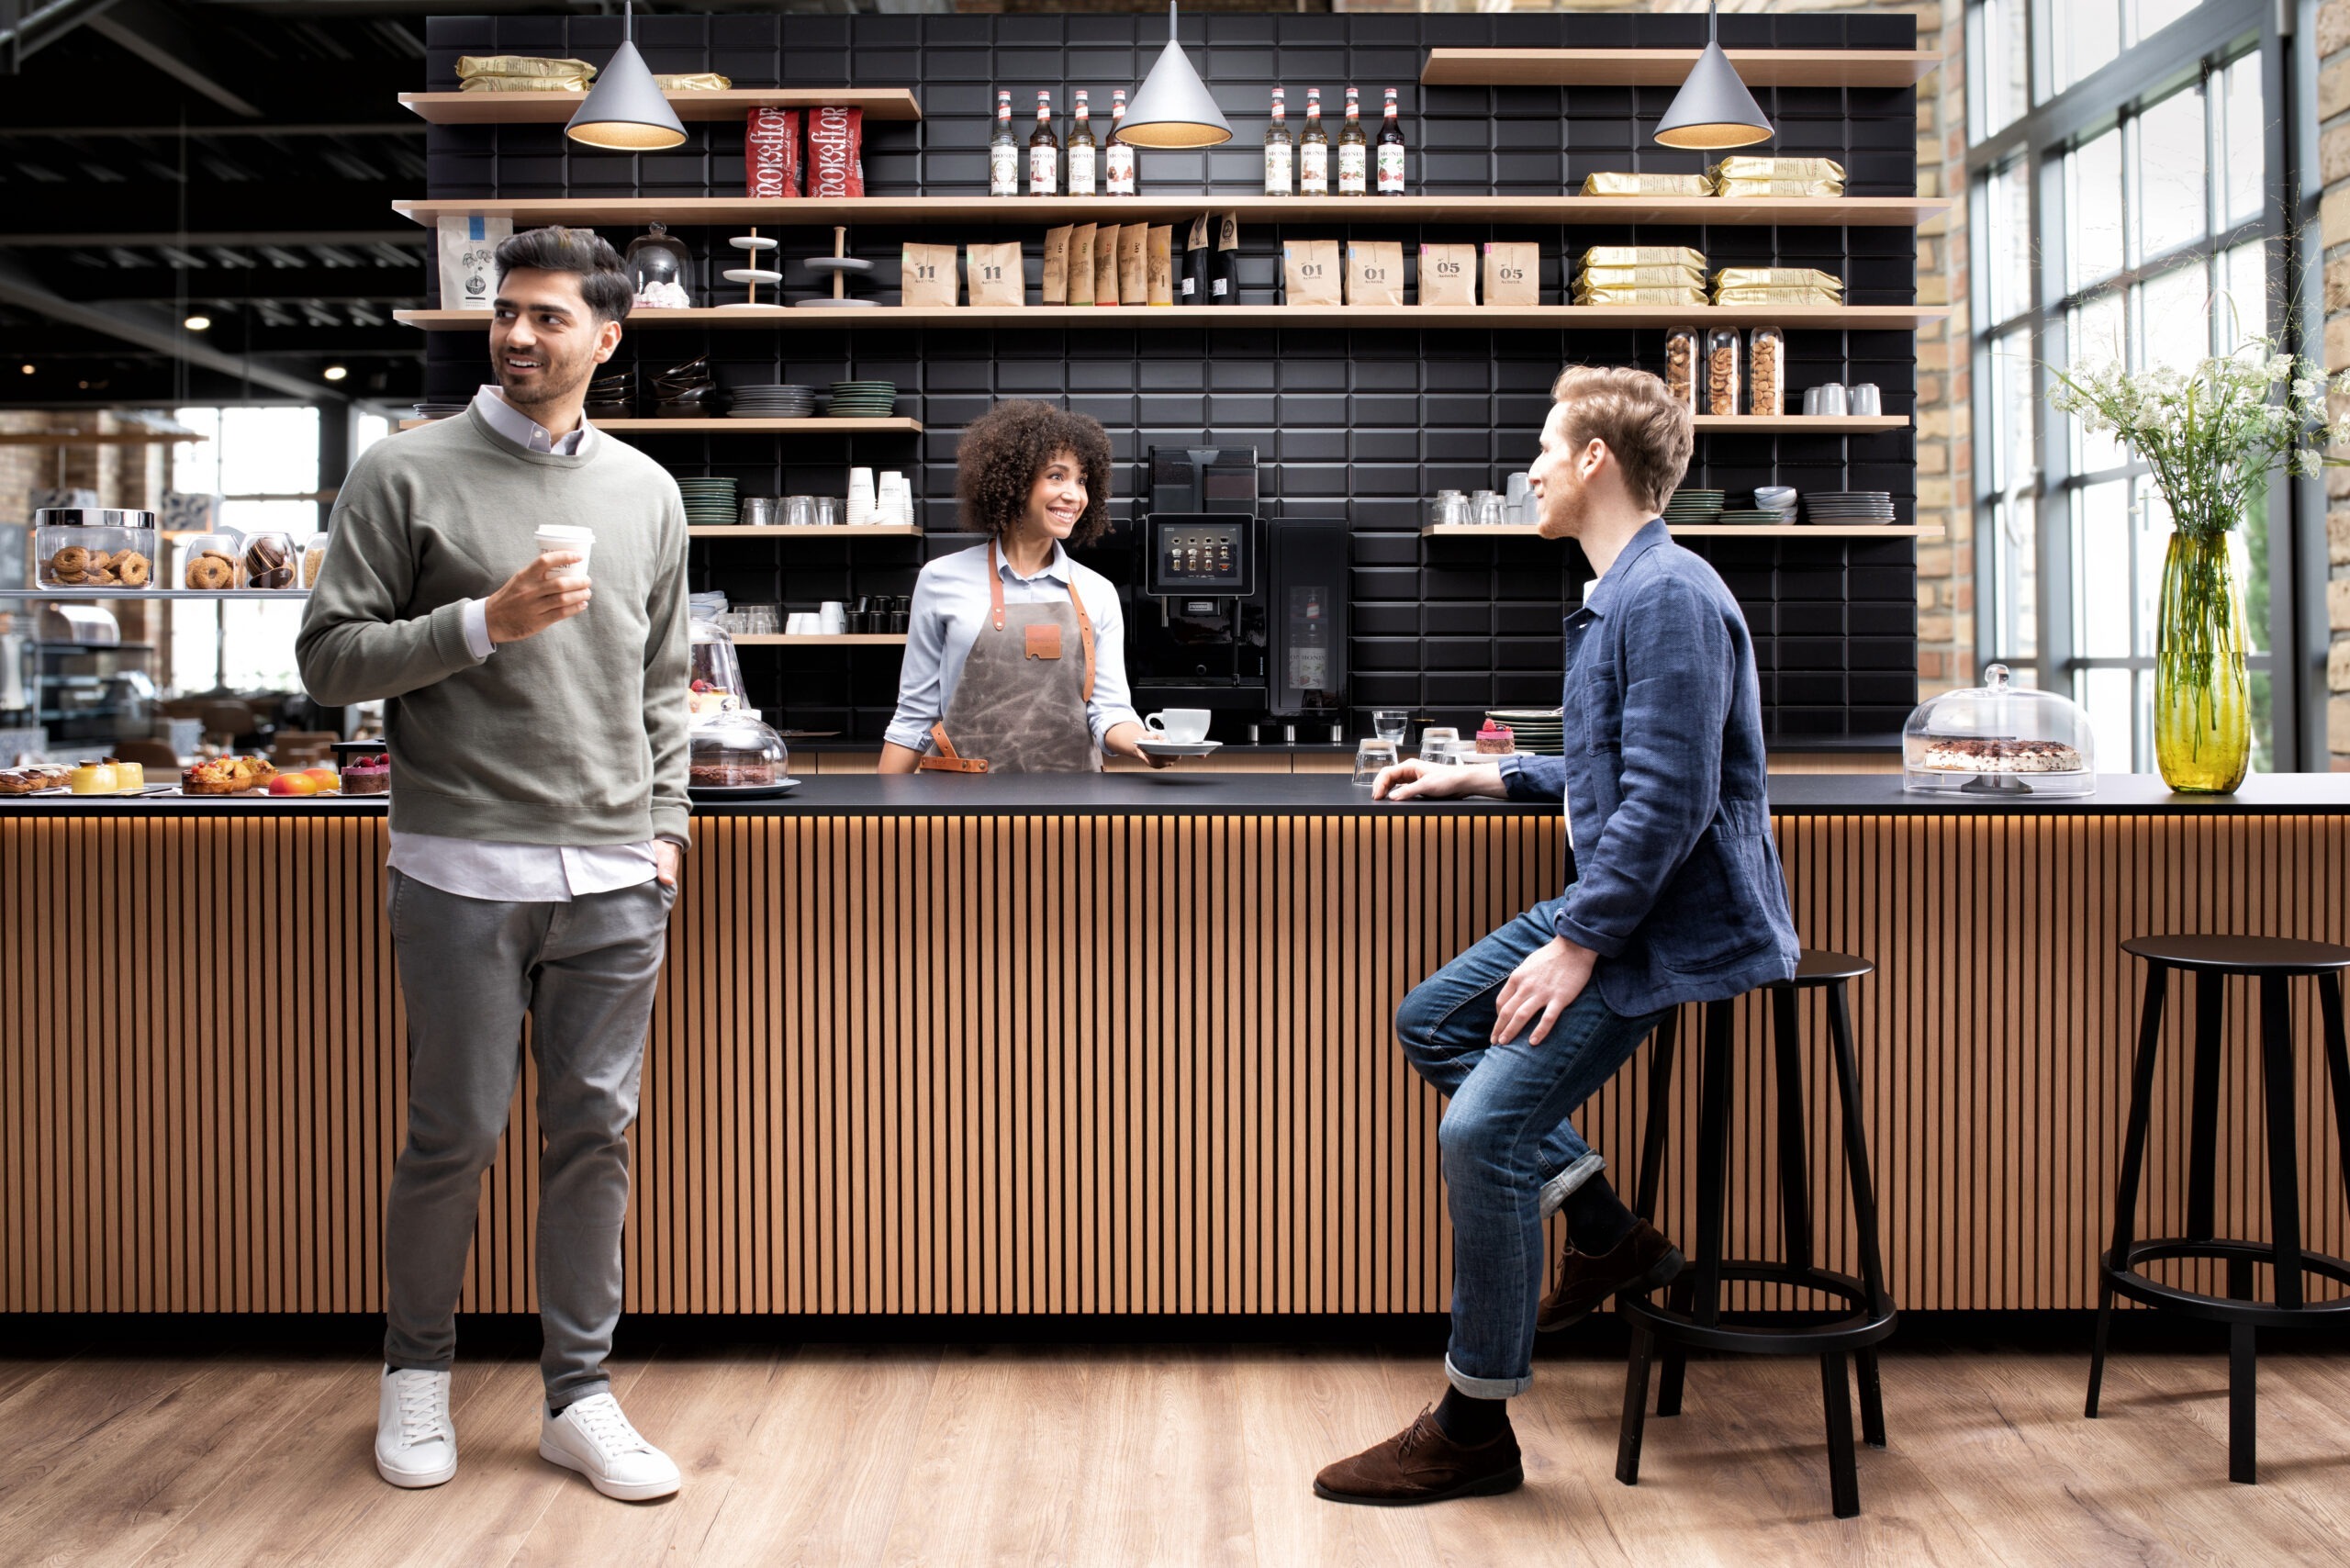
[1998, 738]
[736, 754]
[715, 681]
[660, 270]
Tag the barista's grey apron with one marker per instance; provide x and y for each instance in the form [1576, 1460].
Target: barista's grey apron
[1020, 706]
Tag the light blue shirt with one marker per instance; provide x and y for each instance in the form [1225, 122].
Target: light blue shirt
[492, 869]
[952, 606]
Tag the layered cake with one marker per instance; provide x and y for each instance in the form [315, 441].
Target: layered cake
[1953, 754]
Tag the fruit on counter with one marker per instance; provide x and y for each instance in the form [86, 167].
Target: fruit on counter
[293, 784]
[93, 778]
[327, 779]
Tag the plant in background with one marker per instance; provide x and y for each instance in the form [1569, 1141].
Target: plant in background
[2212, 436]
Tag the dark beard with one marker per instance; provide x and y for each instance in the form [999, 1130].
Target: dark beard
[548, 391]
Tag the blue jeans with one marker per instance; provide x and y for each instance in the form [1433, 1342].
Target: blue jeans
[1510, 1151]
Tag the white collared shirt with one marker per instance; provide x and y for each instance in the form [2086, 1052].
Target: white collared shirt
[951, 607]
[490, 868]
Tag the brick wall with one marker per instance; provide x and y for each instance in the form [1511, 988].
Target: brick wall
[2332, 45]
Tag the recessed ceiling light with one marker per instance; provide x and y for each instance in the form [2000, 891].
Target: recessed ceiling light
[198, 323]
[336, 372]
[27, 369]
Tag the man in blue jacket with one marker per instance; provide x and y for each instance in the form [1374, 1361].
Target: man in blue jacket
[1675, 895]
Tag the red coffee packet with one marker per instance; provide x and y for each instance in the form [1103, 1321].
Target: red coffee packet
[771, 154]
[835, 153]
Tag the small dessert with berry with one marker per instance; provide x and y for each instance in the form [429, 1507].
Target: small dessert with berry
[1497, 740]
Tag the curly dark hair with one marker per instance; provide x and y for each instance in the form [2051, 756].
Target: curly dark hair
[1005, 448]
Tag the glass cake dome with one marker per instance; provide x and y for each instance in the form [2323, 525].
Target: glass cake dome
[715, 683]
[736, 754]
[1999, 739]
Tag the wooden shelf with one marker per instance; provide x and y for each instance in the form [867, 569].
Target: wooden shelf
[75, 595]
[1531, 211]
[737, 427]
[110, 438]
[1841, 317]
[555, 108]
[1801, 425]
[1706, 529]
[836, 640]
[1670, 67]
[868, 531]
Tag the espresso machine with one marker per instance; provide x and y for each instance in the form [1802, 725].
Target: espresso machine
[1227, 608]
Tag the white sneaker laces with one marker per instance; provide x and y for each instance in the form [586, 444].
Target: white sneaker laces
[419, 1410]
[601, 1419]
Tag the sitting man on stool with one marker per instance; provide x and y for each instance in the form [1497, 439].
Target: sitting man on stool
[1676, 897]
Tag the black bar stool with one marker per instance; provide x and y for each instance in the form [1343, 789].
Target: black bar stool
[2274, 962]
[1694, 1316]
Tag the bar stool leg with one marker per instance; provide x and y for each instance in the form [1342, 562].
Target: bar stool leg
[2133, 1156]
[2203, 1139]
[1701, 1297]
[2337, 1067]
[1795, 1185]
[1636, 1407]
[2243, 1398]
[1843, 1473]
[1660, 1103]
[2283, 1142]
[1861, 1175]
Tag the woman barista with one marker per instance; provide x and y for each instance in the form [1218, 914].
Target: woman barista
[1016, 656]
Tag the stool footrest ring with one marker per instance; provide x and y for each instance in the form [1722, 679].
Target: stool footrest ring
[2127, 1281]
[1867, 1325]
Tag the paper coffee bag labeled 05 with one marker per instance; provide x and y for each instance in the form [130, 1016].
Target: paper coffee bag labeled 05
[835, 152]
[1513, 272]
[1448, 275]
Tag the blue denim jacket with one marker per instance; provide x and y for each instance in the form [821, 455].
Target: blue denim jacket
[1677, 885]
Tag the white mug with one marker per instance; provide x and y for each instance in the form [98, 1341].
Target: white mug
[833, 616]
[1185, 726]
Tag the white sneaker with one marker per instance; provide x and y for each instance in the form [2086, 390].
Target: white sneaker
[593, 1437]
[416, 1443]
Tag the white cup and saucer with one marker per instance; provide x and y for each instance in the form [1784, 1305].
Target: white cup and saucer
[1178, 731]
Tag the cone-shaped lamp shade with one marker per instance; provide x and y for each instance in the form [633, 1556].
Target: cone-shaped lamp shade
[1172, 108]
[625, 110]
[1713, 108]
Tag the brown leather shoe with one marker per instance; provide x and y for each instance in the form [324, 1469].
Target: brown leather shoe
[1420, 1464]
[1644, 1260]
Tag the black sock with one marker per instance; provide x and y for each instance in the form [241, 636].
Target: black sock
[1597, 1220]
[1470, 1421]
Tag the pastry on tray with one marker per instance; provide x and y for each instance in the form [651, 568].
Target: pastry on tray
[227, 776]
[1962, 755]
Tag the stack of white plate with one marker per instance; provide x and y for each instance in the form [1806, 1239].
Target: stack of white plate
[777, 402]
[1536, 729]
[1848, 506]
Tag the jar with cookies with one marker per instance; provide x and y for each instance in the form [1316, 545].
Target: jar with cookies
[1766, 370]
[314, 556]
[211, 562]
[1722, 367]
[93, 547]
[1682, 348]
[268, 563]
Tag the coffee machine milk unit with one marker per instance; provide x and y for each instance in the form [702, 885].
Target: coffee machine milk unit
[1233, 610]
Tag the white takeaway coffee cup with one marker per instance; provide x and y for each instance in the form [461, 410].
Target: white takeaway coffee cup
[555, 536]
[1184, 726]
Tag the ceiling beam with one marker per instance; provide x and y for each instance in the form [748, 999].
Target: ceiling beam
[154, 206]
[411, 238]
[233, 286]
[202, 132]
[149, 330]
[162, 37]
[29, 35]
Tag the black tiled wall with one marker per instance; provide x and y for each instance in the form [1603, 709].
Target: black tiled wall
[1367, 423]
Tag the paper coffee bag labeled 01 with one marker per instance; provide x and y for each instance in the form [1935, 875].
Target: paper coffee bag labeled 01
[995, 274]
[1162, 261]
[1310, 272]
[1513, 272]
[1054, 288]
[1448, 275]
[1105, 264]
[927, 274]
[1080, 265]
[1374, 272]
[1133, 264]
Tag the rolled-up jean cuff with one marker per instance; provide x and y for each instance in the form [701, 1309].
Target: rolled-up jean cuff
[1486, 1387]
[1556, 1191]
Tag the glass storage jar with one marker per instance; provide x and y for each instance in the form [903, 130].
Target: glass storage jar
[715, 681]
[1721, 370]
[93, 547]
[1766, 370]
[736, 752]
[1999, 739]
[212, 563]
[314, 556]
[1682, 347]
[269, 563]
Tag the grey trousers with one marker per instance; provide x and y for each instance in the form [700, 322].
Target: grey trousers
[470, 970]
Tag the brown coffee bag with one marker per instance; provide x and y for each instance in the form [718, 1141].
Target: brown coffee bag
[926, 275]
[1105, 265]
[1310, 272]
[1448, 275]
[1162, 261]
[1513, 272]
[1374, 272]
[1133, 264]
[1080, 265]
[995, 275]
[1056, 280]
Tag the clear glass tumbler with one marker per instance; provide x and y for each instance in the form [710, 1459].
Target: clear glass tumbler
[1372, 756]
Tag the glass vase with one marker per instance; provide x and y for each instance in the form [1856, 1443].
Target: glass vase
[2202, 693]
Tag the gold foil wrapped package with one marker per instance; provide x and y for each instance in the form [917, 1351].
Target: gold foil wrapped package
[522, 74]
[1747, 168]
[1634, 294]
[1755, 190]
[1644, 256]
[1778, 278]
[705, 81]
[1806, 298]
[1647, 186]
[1673, 276]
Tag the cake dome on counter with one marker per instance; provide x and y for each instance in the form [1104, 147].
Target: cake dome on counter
[1999, 739]
[735, 754]
[715, 682]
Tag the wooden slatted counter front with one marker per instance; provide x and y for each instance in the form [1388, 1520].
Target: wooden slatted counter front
[1115, 1045]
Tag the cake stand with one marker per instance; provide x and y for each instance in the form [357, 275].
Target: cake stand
[753, 274]
[840, 263]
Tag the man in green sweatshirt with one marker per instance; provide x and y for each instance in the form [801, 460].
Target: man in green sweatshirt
[534, 699]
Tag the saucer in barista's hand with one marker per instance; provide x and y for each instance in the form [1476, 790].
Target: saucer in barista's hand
[1176, 748]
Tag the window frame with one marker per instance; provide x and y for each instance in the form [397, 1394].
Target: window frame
[2191, 49]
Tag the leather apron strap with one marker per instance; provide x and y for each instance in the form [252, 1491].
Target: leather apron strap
[944, 758]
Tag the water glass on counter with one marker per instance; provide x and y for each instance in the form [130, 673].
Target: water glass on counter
[1388, 724]
[1437, 742]
[1372, 756]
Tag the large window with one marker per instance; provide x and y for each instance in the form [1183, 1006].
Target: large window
[2127, 187]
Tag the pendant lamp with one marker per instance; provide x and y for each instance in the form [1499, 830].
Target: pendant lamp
[1713, 108]
[1173, 109]
[625, 111]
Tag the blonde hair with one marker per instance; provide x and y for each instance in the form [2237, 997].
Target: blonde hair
[1629, 412]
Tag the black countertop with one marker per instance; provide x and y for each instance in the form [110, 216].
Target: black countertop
[1178, 792]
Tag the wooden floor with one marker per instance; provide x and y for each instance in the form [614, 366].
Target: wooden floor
[1145, 1455]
